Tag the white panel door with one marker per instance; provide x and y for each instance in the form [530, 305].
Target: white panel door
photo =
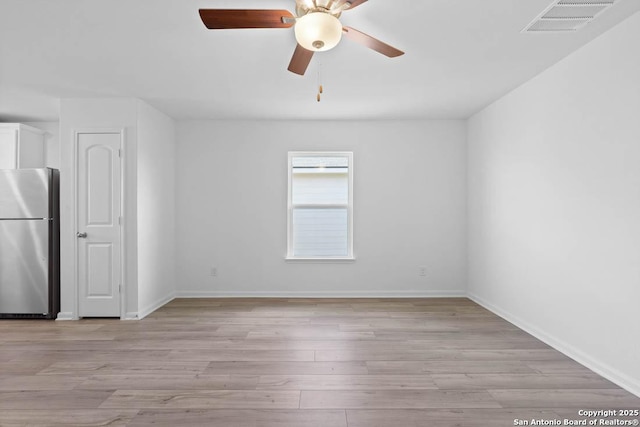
[98, 224]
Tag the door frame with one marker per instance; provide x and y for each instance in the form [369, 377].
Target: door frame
[123, 228]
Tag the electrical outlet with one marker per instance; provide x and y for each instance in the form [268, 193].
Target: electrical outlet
[213, 272]
[423, 271]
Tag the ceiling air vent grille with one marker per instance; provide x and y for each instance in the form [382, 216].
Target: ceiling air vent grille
[567, 15]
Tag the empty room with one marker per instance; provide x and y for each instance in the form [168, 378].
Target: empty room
[327, 213]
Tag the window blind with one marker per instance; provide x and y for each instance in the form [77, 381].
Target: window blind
[320, 206]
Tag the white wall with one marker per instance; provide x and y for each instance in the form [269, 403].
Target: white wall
[554, 205]
[156, 209]
[83, 114]
[409, 208]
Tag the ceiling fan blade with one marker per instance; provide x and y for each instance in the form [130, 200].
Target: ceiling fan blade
[371, 43]
[355, 3]
[220, 19]
[300, 60]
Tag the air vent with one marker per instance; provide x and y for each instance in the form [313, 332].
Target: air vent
[567, 15]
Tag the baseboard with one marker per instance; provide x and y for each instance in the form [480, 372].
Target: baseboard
[321, 294]
[131, 315]
[630, 384]
[66, 315]
[155, 305]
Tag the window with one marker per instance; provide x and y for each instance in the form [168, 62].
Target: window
[320, 206]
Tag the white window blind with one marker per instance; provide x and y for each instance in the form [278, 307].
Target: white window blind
[320, 211]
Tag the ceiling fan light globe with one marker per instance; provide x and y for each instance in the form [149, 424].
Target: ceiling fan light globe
[318, 31]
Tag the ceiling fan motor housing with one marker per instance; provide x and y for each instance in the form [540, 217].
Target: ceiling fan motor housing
[334, 7]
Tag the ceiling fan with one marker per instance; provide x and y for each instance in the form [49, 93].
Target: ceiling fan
[316, 24]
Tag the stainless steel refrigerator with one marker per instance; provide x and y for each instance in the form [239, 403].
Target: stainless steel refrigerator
[29, 243]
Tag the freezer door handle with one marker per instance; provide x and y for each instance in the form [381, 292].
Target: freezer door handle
[81, 235]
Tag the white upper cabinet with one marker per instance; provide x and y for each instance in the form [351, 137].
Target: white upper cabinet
[21, 147]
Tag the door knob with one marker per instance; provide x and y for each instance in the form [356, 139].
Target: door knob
[81, 235]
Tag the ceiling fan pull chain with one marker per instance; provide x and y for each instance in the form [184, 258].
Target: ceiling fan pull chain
[320, 88]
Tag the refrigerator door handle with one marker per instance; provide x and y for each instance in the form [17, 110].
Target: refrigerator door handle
[81, 235]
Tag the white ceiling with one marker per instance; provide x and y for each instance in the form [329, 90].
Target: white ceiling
[460, 56]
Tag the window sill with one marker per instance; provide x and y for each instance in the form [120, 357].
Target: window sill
[338, 260]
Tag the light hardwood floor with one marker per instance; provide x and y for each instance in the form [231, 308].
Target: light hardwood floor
[290, 363]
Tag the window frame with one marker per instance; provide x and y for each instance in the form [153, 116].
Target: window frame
[290, 206]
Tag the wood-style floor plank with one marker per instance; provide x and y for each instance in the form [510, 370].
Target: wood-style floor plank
[38, 382]
[308, 333]
[240, 418]
[19, 367]
[174, 382]
[520, 381]
[393, 354]
[203, 399]
[283, 368]
[567, 366]
[67, 417]
[440, 367]
[393, 399]
[90, 356]
[242, 355]
[135, 367]
[345, 382]
[282, 362]
[52, 399]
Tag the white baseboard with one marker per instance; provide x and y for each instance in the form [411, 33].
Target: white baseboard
[66, 315]
[144, 312]
[321, 294]
[131, 315]
[630, 384]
